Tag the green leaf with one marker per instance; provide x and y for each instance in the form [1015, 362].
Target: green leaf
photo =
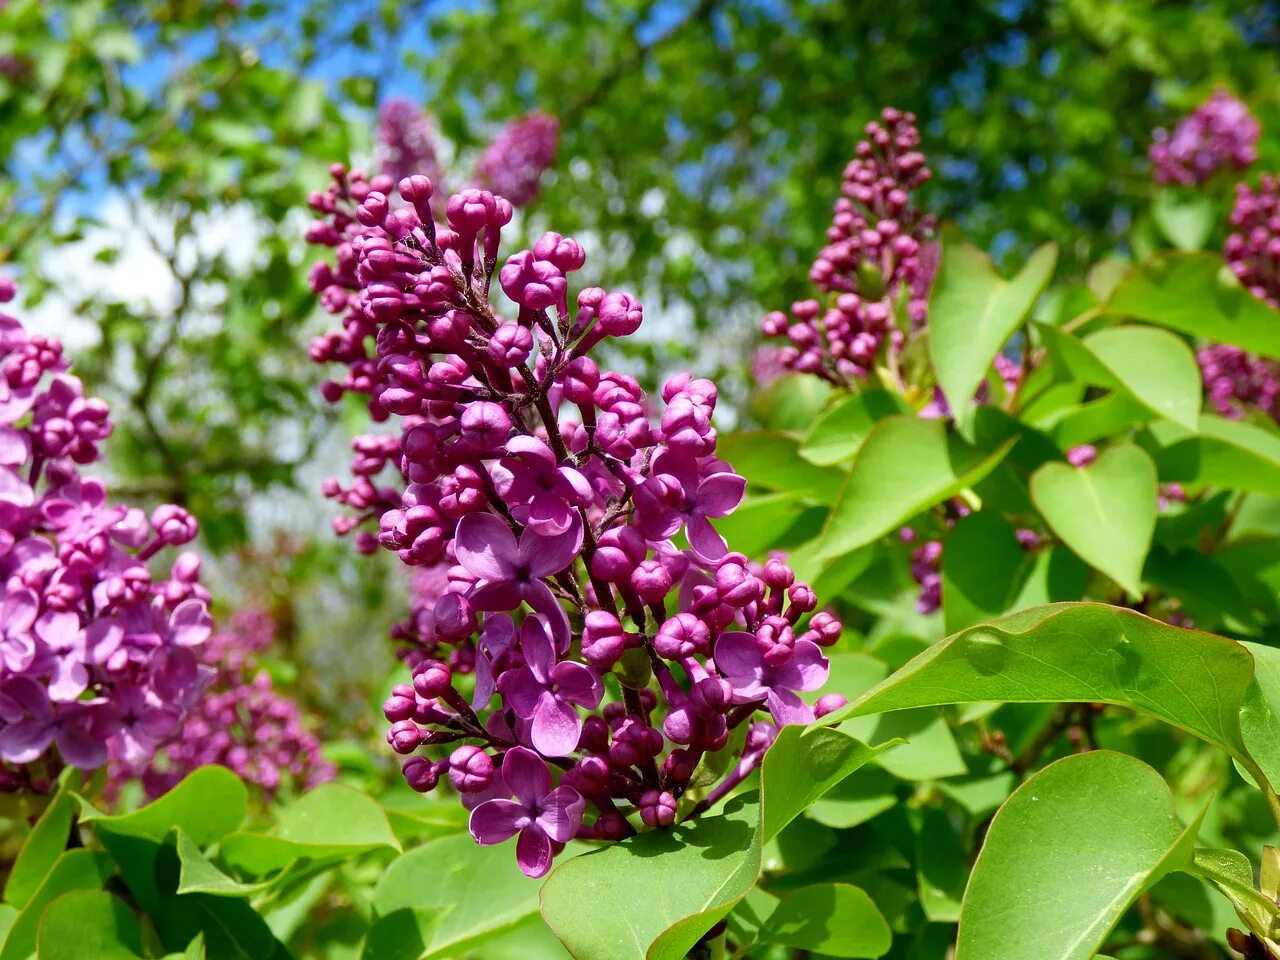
[200, 875]
[208, 804]
[839, 432]
[942, 866]
[47, 841]
[1195, 293]
[984, 570]
[1081, 653]
[88, 923]
[1105, 512]
[759, 522]
[905, 466]
[1232, 873]
[1185, 217]
[973, 311]
[333, 821]
[78, 869]
[1221, 453]
[834, 919]
[446, 895]
[1101, 816]
[696, 872]
[1260, 717]
[772, 461]
[1154, 367]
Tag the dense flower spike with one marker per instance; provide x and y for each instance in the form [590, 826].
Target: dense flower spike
[241, 723]
[406, 141]
[572, 576]
[1220, 134]
[1236, 381]
[1253, 246]
[878, 264]
[513, 163]
[96, 653]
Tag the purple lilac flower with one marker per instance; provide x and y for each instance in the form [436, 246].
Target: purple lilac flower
[406, 141]
[241, 723]
[1082, 455]
[96, 655]
[1252, 248]
[878, 253]
[513, 163]
[1237, 382]
[552, 514]
[1220, 134]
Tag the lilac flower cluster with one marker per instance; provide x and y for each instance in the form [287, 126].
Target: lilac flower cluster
[1237, 382]
[95, 653]
[1252, 249]
[513, 163]
[878, 260]
[241, 723]
[560, 513]
[406, 140]
[1220, 134]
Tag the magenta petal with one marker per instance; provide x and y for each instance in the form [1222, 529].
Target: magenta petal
[521, 691]
[485, 545]
[539, 596]
[786, 708]
[499, 595]
[523, 445]
[561, 813]
[533, 852]
[538, 647]
[191, 623]
[573, 486]
[720, 494]
[549, 515]
[577, 683]
[556, 727]
[704, 539]
[544, 556]
[24, 741]
[738, 655]
[19, 612]
[484, 682]
[526, 775]
[806, 670]
[69, 680]
[61, 630]
[496, 820]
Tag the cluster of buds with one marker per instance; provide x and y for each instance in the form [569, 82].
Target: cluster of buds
[1237, 382]
[96, 654]
[1220, 134]
[612, 642]
[241, 723]
[513, 163]
[877, 267]
[1252, 249]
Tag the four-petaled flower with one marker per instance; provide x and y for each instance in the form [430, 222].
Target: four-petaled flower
[544, 692]
[679, 493]
[740, 658]
[540, 815]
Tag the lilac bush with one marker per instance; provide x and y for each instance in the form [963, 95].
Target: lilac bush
[877, 266]
[97, 655]
[406, 140]
[241, 723]
[1220, 134]
[613, 638]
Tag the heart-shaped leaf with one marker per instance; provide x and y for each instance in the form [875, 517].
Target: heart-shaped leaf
[1066, 855]
[833, 919]
[973, 311]
[905, 466]
[839, 432]
[89, 923]
[1105, 512]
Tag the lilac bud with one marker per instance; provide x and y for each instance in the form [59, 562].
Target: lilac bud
[510, 345]
[657, 809]
[400, 705]
[603, 640]
[420, 773]
[432, 678]
[404, 736]
[828, 703]
[620, 315]
[682, 636]
[174, 525]
[470, 769]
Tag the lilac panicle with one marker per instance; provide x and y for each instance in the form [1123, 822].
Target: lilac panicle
[879, 259]
[1220, 134]
[514, 161]
[563, 525]
[97, 653]
[406, 141]
[241, 723]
